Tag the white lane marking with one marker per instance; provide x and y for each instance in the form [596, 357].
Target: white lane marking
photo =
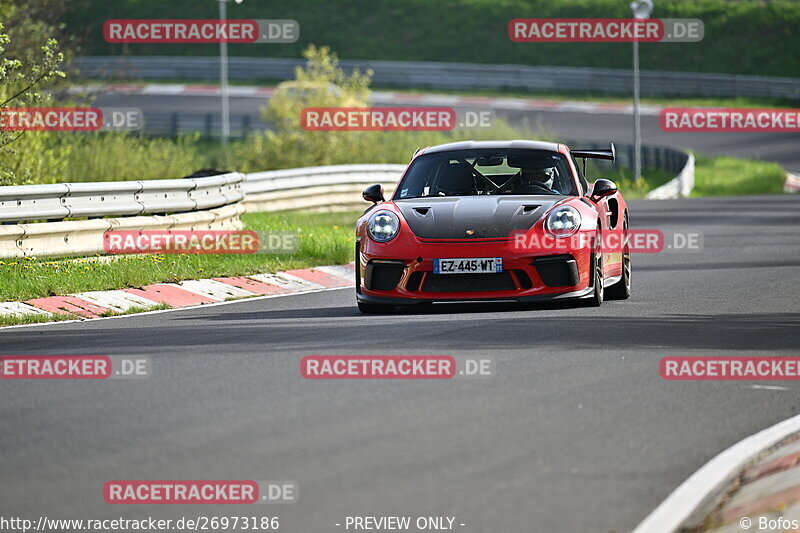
[703, 484]
[768, 387]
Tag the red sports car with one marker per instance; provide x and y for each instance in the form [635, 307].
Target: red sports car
[494, 220]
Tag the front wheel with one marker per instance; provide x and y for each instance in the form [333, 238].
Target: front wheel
[596, 300]
[621, 290]
[374, 309]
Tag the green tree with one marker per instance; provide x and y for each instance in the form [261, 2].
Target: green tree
[22, 78]
[320, 83]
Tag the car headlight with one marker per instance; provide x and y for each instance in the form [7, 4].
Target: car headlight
[563, 221]
[383, 226]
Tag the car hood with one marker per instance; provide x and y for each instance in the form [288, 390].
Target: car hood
[473, 217]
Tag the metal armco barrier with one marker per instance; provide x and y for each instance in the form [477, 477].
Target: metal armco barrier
[118, 198]
[447, 75]
[172, 204]
[314, 187]
[214, 202]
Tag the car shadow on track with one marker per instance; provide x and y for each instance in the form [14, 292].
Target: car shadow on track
[311, 328]
[470, 325]
[460, 308]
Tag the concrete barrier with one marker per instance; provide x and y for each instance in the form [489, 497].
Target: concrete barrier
[792, 183]
[678, 187]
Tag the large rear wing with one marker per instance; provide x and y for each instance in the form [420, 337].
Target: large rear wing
[610, 154]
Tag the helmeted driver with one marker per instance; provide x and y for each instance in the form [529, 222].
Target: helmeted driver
[536, 180]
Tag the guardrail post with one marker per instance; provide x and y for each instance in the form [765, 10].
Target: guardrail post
[173, 124]
[245, 125]
[208, 125]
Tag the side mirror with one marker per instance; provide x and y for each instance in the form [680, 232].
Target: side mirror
[603, 188]
[373, 193]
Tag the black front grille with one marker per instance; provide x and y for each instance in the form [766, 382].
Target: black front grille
[383, 275]
[557, 270]
[469, 282]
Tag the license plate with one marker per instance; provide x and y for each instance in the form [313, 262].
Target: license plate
[468, 265]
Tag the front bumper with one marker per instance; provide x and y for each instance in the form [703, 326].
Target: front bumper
[400, 272]
[563, 296]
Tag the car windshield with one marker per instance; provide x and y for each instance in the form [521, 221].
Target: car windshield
[488, 172]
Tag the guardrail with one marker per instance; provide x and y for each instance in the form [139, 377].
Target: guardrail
[316, 187]
[173, 204]
[214, 202]
[118, 198]
[85, 237]
[448, 76]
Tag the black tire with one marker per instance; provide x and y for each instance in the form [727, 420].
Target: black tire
[621, 290]
[374, 309]
[596, 299]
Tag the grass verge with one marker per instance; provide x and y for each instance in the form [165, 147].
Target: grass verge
[18, 320]
[135, 310]
[729, 176]
[325, 238]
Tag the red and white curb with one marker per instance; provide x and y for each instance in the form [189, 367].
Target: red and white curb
[94, 304]
[382, 97]
[751, 461]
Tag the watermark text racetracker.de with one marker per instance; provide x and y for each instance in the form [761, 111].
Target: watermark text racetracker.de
[71, 119]
[200, 242]
[74, 367]
[729, 120]
[730, 368]
[605, 30]
[644, 241]
[187, 31]
[393, 118]
[211, 492]
[389, 367]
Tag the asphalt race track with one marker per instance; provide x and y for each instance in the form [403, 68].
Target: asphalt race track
[779, 147]
[576, 432]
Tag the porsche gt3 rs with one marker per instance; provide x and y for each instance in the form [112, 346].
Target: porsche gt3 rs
[493, 220]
